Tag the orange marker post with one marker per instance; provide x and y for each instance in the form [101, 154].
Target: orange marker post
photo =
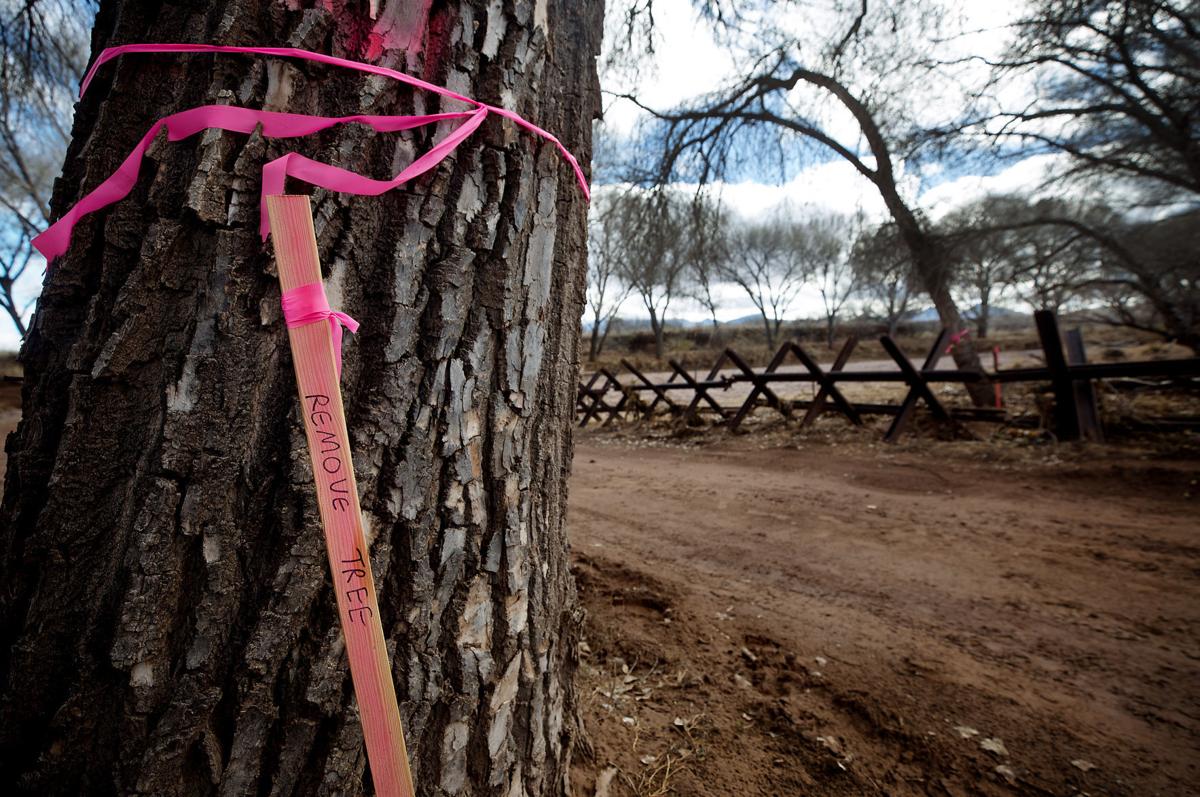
[333, 470]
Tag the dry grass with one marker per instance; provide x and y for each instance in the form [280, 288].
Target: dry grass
[697, 348]
[633, 694]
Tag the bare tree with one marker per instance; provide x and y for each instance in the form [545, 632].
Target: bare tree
[768, 262]
[654, 228]
[851, 95]
[1050, 264]
[605, 291]
[708, 251]
[1158, 290]
[1114, 90]
[700, 281]
[1010, 244]
[1144, 272]
[43, 52]
[1115, 96]
[883, 274]
[16, 252]
[983, 248]
[825, 246]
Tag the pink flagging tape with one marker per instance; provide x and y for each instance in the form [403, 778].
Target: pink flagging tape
[56, 239]
[337, 179]
[337, 495]
[279, 52]
[308, 304]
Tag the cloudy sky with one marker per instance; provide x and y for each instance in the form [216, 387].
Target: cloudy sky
[688, 62]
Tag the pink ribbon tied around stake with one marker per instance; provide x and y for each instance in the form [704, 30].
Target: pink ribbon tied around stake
[308, 304]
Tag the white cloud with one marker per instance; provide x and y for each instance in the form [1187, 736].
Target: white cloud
[1028, 176]
[834, 185]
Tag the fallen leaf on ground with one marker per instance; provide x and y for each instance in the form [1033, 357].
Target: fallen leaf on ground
[831, 744]
[994, 746]
[1083, 765]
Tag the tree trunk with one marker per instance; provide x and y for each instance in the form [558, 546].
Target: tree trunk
[604, 336]
[893, 321]
[167, 621]
[982, 317]
[931, 265]
[770, 333]
[594, 345]
[656, 326]
[830, 329]
[963, 352]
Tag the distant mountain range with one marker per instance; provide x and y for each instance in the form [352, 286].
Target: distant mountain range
[631, 324]
[929, 314]
[926, 316]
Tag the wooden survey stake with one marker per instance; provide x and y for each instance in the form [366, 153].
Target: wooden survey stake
[329, 447]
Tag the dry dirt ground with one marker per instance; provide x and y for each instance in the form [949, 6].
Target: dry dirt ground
[817, 615]
[825, 615]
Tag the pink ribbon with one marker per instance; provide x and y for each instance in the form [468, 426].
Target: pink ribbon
[956, 338]
[308, 304]
[56, 239]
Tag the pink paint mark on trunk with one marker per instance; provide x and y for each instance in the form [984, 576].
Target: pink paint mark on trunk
[402, 25]
[369, 32]
[353, 25]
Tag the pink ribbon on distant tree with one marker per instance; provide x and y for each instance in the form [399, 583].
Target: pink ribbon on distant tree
[56, 239]
[957, 338]
[308, 305]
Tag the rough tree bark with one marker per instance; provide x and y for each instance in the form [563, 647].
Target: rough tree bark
[167, 624]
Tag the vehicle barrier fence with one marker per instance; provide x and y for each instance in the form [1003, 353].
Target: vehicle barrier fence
[604, 398]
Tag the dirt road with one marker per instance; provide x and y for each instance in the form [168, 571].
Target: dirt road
[855, 619]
